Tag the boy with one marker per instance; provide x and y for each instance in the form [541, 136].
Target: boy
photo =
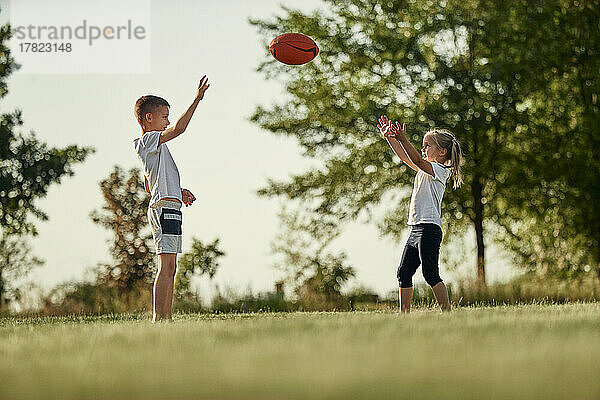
[161, 180]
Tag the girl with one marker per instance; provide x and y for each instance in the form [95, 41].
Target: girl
[439, 159]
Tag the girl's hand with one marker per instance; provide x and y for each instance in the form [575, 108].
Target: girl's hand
[398, 130]
[187, 197]
[384, 127]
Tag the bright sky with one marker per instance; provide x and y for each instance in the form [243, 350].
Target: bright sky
[222, 158]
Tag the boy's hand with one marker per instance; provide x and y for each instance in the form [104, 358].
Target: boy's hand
[187, 197]
[384, 127]
[202, 86]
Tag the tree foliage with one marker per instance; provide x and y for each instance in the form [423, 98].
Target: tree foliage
[28, 167]
[16, 261]
[125, 214]
[562, 138]
[302, 246]
[202, 259]
[125, 284]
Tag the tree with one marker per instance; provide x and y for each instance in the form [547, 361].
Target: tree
[16, 261]
[455, 64]
[28, 167]
[200, 260]
[125, 284]
[558, 143]
[125, 214]
[567, 114]
[302, 246]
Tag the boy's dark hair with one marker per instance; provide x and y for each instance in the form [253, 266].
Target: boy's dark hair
[147, 104]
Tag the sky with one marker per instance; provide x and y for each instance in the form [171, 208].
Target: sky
[223, 158]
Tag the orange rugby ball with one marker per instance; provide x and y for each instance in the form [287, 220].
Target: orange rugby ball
[293, 48]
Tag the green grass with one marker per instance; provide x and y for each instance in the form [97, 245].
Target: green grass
[514, 352]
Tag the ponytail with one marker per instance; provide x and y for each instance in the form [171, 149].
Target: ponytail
[446, 140]
[455, 160]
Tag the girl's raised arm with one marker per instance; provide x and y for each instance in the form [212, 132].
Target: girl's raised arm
[384, 127]
[399, 132]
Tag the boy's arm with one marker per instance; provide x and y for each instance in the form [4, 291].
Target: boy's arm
[399, 133]
[184, 120]
[187, 197]
[384, 128]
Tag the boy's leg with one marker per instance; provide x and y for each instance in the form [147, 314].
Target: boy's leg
[165, 220]
[441, 295]
[171, 289]
[163, 286]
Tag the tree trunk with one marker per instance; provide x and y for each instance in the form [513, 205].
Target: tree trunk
[476, 190]
[480, 253]
[597, 249]
[476, 186]
[1, 292]
[598, 264]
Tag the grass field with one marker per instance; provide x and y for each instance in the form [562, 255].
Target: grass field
[516, 352]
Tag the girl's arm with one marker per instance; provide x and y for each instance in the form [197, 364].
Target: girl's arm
[399, 132]
[384, 128]
[400, 152]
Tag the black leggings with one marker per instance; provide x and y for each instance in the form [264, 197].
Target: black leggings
[422, 248]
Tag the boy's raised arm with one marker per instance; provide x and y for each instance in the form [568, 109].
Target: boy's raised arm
[184, 120]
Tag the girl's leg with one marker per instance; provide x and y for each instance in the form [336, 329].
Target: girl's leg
[405, 297]
[408, 266]
[441, 295]
[429, 251]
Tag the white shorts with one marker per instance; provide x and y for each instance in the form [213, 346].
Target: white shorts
[165, 220]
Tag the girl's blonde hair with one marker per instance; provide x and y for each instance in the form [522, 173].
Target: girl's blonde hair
[446, 140]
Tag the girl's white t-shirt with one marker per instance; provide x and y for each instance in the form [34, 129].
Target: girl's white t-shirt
[427, 194]
[159, 167]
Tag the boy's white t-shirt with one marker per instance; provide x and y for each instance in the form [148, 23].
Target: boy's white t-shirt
[159, 167]
[427, 194]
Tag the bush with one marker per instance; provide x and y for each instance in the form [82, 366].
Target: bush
[262, 302]
[188, 304]
[530, 288]
[94, 299]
